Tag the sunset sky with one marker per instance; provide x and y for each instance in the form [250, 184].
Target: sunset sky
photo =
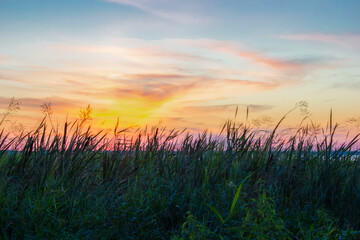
[185, 63]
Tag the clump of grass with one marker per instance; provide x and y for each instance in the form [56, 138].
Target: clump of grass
[162, 184]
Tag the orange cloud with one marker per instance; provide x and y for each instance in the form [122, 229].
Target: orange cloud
[166, 75]
[33, 104]
[30, 113]
[260, 85]
[153, 91]
[164, 87]
[156, 76]
[215, 109]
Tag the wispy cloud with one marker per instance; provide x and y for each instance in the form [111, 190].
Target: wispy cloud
[35, 103]
[236, 49]
[229, 107]
[253, 56]
[259, 85]
[129, 52]
[151, 76]
[5, 59]
[350, 41]
[201, 50]
[153, 92]
[177, 11]
[199, 71]
[143, 80]
[210, 115]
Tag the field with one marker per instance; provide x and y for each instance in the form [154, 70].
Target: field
[159, 184]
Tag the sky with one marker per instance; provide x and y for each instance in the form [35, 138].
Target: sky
[184, 64]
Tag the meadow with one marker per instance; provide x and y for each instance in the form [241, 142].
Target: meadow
[244, 183]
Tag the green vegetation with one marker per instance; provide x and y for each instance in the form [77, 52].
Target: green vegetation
[160, 184]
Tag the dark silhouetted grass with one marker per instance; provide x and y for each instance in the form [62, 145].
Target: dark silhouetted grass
[160, 184]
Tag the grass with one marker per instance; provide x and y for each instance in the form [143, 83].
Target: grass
[160, 184]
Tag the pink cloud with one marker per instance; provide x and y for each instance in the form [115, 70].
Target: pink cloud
[252, 55]
[33, 104]
[163, 87]
[232, 48]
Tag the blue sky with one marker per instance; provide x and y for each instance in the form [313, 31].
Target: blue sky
[183, 62]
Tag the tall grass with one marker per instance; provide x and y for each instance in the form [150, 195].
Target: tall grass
[161, 184]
